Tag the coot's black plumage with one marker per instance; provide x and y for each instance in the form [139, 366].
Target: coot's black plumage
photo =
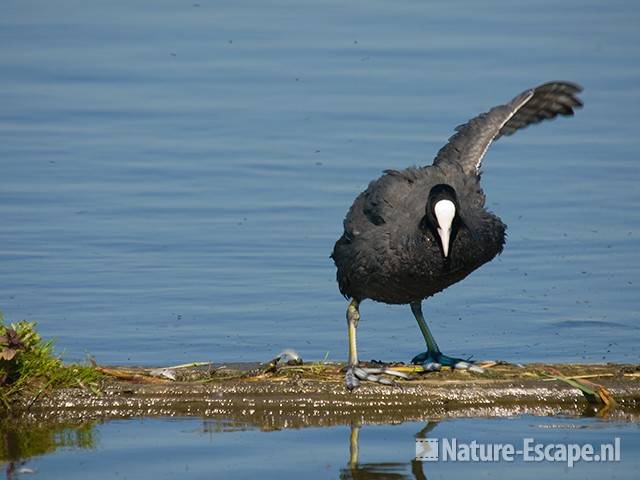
[414, 232]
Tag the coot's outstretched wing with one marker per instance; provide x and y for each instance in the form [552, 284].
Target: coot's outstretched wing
[468, 146]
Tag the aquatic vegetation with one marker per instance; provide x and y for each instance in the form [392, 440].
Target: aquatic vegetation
[29, 367]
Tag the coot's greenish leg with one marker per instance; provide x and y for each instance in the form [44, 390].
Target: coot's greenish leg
[433, 359]
[432, 346]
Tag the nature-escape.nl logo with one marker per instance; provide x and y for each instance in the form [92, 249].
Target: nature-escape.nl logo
[451, 450]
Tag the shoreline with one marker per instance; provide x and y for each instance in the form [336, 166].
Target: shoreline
[296, 396]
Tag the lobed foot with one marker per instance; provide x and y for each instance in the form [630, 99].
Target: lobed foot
[432, 362]
[355, 374]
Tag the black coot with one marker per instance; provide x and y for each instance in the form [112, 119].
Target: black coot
[414, 232]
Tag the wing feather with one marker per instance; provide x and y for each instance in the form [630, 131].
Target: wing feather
[471, 141]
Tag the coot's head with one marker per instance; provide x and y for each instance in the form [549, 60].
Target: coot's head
[443, 215]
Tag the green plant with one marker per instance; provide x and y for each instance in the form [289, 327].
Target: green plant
[28, 366]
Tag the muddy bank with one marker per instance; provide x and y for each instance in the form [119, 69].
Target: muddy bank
[314, 395]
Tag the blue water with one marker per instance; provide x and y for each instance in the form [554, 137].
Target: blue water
[173, 174]
[196, 448]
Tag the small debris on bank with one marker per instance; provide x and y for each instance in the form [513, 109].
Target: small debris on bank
[593, 392]
[195, 371]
